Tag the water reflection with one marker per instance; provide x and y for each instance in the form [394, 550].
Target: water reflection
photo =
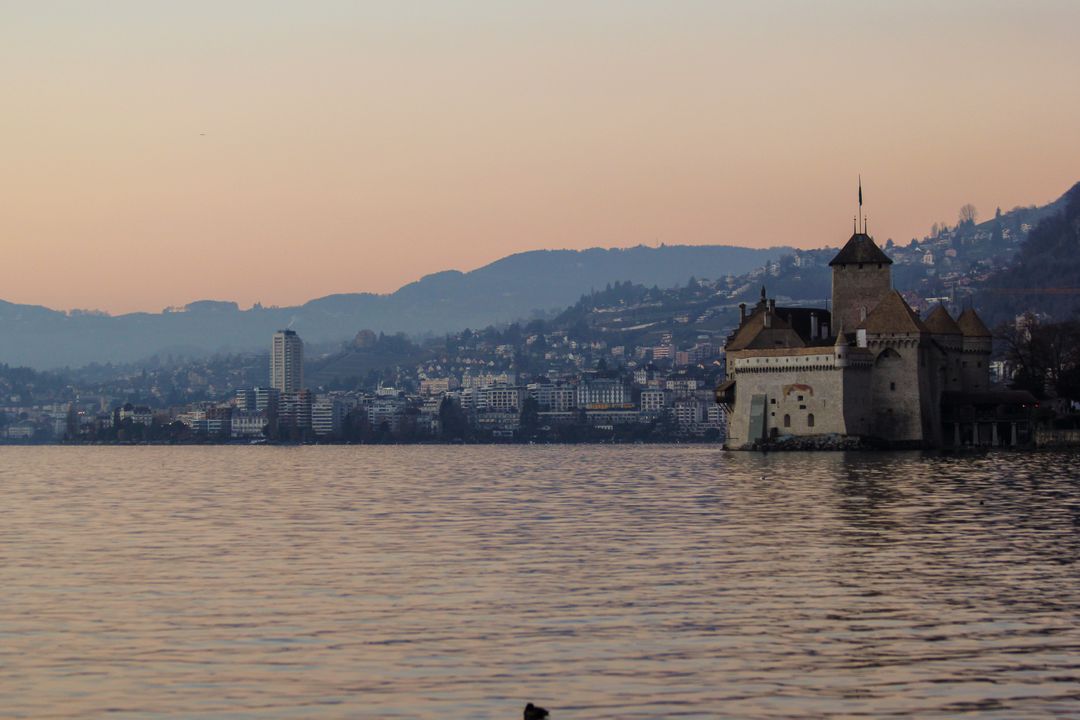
[600, 582]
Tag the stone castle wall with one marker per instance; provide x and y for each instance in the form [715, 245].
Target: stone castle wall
[794, 393]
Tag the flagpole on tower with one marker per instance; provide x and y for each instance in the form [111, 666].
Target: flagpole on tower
[863, 217]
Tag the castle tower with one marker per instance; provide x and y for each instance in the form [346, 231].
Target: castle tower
[949, 338]
[861, 277]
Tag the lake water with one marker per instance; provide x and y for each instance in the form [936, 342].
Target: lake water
[598, 581]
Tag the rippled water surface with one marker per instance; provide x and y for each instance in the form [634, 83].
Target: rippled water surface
[601, 582]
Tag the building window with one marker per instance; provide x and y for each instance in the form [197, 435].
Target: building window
[772, 401]
[810, 420]
[800, 398]
[787, 421]
[802, 407]
[892, 386]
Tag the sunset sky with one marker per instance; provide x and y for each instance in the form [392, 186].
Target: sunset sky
[157, 153]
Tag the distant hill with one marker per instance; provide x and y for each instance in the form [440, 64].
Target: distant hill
[1044, 277]
[515, 287]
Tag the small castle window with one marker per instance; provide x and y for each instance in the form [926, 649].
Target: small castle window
[860, 266]
[879, 266]
[892, 386]
[800, 398]
[772, 401]
[802, 407]
[810, 420]
[787, 421]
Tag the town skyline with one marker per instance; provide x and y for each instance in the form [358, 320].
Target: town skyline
[260, 153]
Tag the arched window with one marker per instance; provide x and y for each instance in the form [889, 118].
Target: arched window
[787, 421]
[810, 420]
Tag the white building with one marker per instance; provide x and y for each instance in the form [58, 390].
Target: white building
[287, 362]
[248, 424]
[553, 397]
[604, 392]
[653, 401]
[500, 398]
[327, 416]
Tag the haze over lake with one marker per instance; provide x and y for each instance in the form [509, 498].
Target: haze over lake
[598, 581]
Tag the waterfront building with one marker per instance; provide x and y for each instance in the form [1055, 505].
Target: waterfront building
[248, 424]
[500, 398]
[327, 416]
[652, 402]
[245, 400]
[135, 414]
[603, 392]
[266, 400]
[287, 362]
[553, 397]
[386, 413]
[294, 410]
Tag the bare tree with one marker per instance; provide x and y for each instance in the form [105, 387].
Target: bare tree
[1045, 356]
[968, 214]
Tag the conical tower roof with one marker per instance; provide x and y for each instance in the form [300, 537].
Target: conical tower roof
[860, 248]
[940, 322]
[971, 325]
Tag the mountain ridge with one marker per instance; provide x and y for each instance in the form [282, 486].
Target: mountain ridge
[511, 288]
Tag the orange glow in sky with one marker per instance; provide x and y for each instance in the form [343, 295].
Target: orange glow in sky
[159, 153]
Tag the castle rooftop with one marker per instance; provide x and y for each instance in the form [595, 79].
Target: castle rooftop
[972, 325]
[940, 322]
[861, 248]
[893, 315]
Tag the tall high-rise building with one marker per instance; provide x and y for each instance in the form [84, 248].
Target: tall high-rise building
[287, 362]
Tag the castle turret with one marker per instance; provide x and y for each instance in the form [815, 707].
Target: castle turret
[841, 348]
[949, 337]
[975, 359]
[861, 277]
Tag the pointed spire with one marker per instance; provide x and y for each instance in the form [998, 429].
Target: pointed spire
[860, 206]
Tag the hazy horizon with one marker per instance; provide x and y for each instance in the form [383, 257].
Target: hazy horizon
[270, 152]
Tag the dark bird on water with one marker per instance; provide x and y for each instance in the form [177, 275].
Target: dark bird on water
[535, 713]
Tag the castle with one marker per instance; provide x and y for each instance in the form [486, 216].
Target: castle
[871, 368]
